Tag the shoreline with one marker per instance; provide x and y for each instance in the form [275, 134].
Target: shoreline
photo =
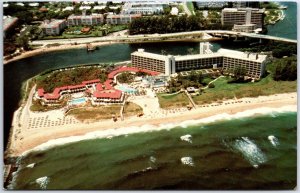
[30, 139]
[39, 51]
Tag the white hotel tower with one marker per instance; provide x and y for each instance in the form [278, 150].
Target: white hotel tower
[224, 58]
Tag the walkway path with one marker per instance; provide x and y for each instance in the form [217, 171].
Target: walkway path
[212, 81]
[190, 98]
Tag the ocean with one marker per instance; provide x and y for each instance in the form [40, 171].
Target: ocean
[257, 152]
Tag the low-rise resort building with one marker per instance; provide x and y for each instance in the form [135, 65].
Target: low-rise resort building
[227, 60]
[96, 92]
[84, 19]
[54, 26]
[121, 18]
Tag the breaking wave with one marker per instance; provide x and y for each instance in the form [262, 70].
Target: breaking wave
[187, 161]
[43, 182]
[30, 165]
[274, 141]
[152, 159]
[187, 138]
[109, 133]
[250, 151]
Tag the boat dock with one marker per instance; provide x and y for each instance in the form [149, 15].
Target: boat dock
[90, 47]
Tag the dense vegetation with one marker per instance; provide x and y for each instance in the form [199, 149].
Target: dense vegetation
[192, 80]
[70, 77]
[125, 77]
[278, 49]
[285, 69]
[169, 24]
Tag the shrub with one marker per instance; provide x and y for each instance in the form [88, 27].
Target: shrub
[211, 85]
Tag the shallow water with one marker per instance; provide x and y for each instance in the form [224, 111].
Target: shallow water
[223, 155]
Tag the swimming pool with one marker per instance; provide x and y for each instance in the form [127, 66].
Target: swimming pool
[77, 101]
[126, 89]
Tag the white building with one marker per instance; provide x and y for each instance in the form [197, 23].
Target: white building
[144, 8]
[121, 19]
[85, 19]
[99, 7]
[88, 3]
[174, 11]
[70, 8]
[53, 27]
[243, 19]
[20, 4]
[33, 4]
[254, 64]
[85, 7]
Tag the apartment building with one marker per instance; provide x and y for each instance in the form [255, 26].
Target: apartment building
[144, 8]
[83, 19]
[8, 24]
[254, 64]
[243, 17]
[121, 18]
[53, 27]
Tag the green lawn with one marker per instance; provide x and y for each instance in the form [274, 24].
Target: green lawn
[96, 113]
[132, 109]
[171, 101]
[224, 90]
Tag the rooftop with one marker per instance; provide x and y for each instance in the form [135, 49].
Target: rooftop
[8, 21]
[142, 53]
[123, 15]
[52, 23]
[242, 9]
[99, 7]
[242, 55]
[220, 53]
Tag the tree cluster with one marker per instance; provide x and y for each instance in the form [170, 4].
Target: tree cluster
[278, 49]
[163, 24]
[70, 77]
[285, 69]
[170, 24]
[125, 77]
[192, 80]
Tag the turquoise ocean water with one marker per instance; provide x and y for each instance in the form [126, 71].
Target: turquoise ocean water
[239, 154]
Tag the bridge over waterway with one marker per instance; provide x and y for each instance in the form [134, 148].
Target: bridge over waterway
[250, 35]
[201, 35]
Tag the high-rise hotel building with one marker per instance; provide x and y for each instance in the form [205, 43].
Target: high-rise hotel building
[242, 18]
[254, 64]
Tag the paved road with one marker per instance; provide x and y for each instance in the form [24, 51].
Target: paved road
[123, 37]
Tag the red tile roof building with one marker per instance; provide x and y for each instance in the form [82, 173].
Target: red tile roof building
[105, 93]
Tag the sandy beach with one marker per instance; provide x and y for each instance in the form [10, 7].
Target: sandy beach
[25, 139]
